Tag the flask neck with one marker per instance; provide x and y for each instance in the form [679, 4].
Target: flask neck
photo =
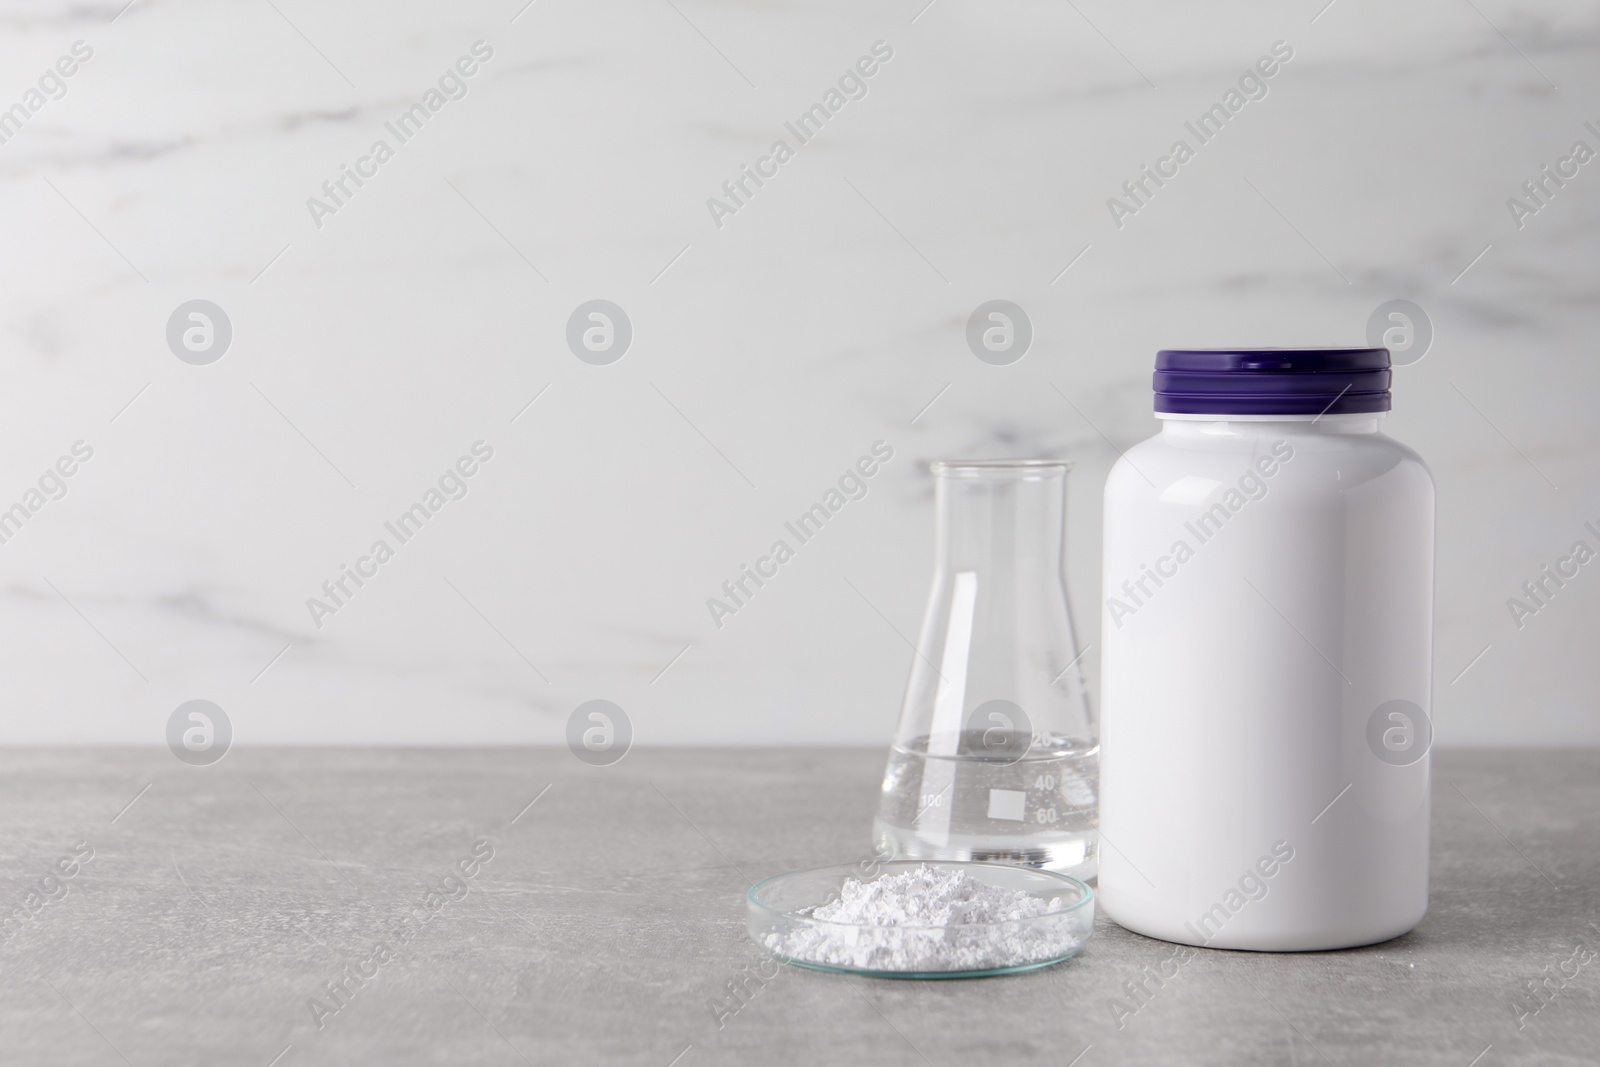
[1001, 519]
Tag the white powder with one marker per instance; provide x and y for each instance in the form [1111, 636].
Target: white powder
[928, 919]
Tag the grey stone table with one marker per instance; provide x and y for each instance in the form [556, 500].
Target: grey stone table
[518, 906]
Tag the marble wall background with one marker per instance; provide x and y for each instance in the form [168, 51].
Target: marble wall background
[768, 353]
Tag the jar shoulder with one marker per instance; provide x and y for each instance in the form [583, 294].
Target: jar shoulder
[1161, 468]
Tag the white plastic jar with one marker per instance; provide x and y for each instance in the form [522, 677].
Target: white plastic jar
[1267, 658]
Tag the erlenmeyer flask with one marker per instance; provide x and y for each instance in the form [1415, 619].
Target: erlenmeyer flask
[996, 755]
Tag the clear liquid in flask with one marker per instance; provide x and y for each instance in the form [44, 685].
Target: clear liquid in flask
[1037, 811]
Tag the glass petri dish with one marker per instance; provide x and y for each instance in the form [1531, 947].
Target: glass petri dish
[779, 915]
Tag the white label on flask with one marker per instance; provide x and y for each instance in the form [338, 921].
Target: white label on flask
[1007, 804]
